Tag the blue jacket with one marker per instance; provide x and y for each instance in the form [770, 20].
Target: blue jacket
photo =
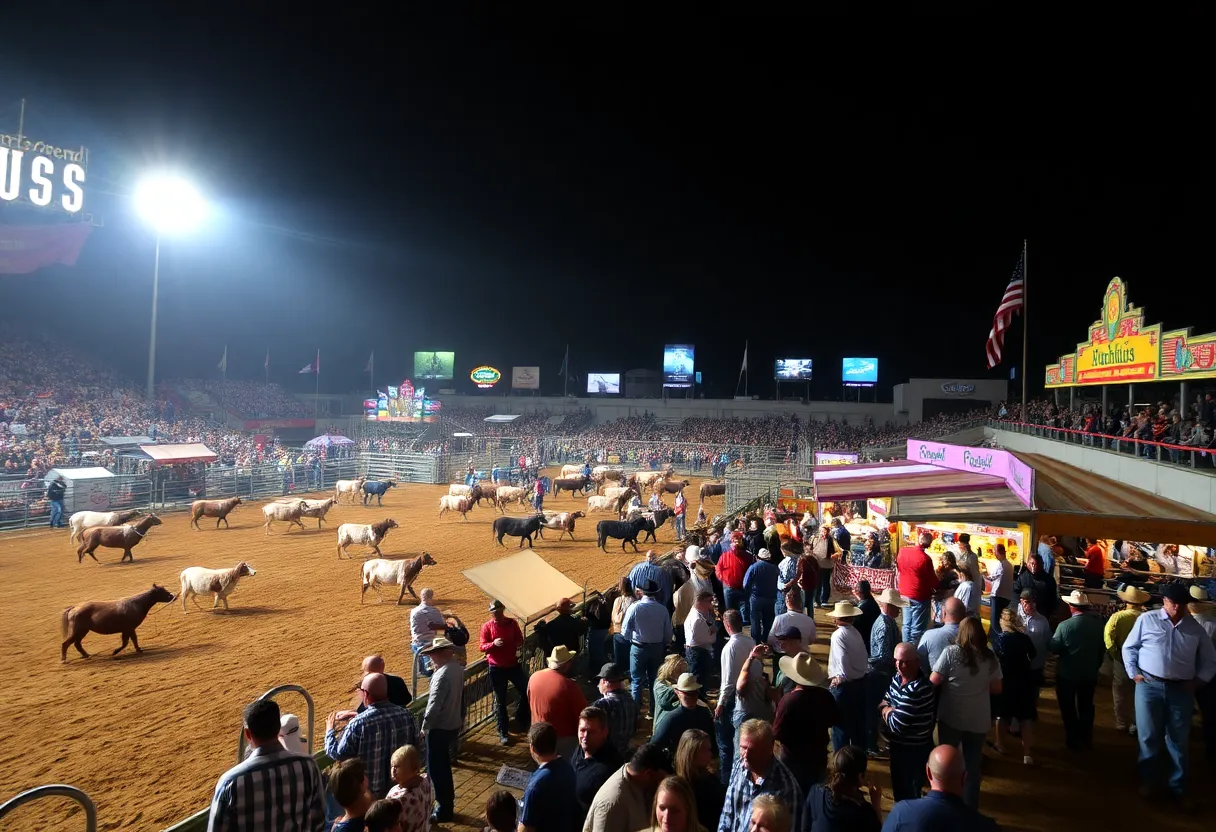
[760, 580]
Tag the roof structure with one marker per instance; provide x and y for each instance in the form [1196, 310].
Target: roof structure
[178, 454]
[895, 479]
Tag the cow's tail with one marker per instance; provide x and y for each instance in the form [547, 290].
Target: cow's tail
[63, 623]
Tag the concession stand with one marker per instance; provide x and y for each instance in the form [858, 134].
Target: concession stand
[178, 470]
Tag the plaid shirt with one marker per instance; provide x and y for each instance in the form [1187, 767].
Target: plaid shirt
[272, 789]
[622, 718]
[373, 736]
[779, 782]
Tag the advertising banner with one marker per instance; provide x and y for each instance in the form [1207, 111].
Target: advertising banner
[263, 424]
[525, 378]
[834, 458]
[678, 369]
[859, 372]
[1018, 476]
[485, 376]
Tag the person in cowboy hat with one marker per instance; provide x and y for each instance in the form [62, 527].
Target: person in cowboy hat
[556, 699]
[884, 635]
[848, 660]
[1118, 627]
[805, 717]
[441, 724]
[760, 586]
[647, 626]
[1168, 655]
[618, 705]
[1201, 610]
[1080, 645]
[692, 713]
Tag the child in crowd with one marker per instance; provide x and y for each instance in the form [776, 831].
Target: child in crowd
[412, 789]
[383, 816]
[348, 785]
[501, 811]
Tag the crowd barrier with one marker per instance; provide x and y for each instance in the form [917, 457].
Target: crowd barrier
[1197, 458]
[58, 790]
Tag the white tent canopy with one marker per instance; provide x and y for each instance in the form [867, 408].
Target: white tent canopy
[501, 419]
[525, 583]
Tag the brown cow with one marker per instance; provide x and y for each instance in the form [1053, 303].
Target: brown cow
[670, 486]
[108, 618]
[115, 537]
[219, 509]
[575, 485]
[712, 489]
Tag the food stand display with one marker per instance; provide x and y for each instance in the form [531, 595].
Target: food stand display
[983, 538]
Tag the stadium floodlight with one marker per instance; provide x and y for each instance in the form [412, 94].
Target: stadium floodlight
[170, 206]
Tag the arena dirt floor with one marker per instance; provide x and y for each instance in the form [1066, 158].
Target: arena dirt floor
[147, 734]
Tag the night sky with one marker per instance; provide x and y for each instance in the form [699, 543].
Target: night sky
[502, 186]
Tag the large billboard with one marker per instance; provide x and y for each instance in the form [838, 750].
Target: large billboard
[604, 384]
[792, 369]
[859, 372]
[678, 360]
[525, 378]
[402, 403]
[440, 366]
[42, 174]
[1122, 349]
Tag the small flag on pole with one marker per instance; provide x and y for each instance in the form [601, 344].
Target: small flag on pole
[371, 359]
[223, 365]
[314, 366]
[743, 366]
[266, 366]
[1011, 304]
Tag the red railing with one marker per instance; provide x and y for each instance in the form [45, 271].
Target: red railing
[1200, 457]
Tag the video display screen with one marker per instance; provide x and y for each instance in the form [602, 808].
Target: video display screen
[859, 372]
[439, 366]
[792, 369]
[604, 384]
[678, 360]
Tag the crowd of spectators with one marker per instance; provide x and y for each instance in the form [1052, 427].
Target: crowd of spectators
[250, 399]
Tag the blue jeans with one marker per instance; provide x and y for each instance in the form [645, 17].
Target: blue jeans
[908, 770]
[736, 600]
[500, 677]
[620, 650]
[762, 618]
[916, 619]
[439, 768]
[972, 744]
[644, 662]
[56, 514]
[877, 683]
[679, 521]
[424, 662]
[823, 591]
[700, 664]
[596, 651]
[851, 700]
[724, 729]
[1163, 712]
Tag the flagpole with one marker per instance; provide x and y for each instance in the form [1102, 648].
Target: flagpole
[266, 366]
[371, 371]
[746, 374]
[316, 400]
[1025, 332]
[566, 373]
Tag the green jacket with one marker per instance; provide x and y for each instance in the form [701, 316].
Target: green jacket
[1081, 647]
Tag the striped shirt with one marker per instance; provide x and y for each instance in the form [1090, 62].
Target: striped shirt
[911, 721]
[373, 736]
[779, 781]
[271, 789]
[622, 714]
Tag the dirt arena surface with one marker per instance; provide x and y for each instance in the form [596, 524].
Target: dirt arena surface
[146, 735]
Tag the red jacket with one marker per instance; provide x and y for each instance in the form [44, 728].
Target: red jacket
[512, 640]
[917, 580]
[731, 566]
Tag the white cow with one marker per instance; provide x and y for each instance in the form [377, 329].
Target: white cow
[199, 580]
[614, 492]
[508, 494]
[289, 513]
[371, 534]
[571, 470]
[349, 488]
[315, 508]
[461, 505]
[457, 490]
[82, 520]
[601, 504]
[379, 572]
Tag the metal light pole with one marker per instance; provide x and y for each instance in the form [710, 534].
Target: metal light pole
[149, 390]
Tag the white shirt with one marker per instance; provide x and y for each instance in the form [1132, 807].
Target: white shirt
[1001, 575]
[697, 630]
[1039, 630]
[848, 656]
[423, 620]
[734, 654]
[804, 623]
[970, 596]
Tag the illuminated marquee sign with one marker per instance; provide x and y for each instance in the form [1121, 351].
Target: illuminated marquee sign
[42, 174]
[1122, 349]
[485, 377]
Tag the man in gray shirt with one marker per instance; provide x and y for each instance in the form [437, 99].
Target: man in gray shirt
[441, 723]
[934, 641]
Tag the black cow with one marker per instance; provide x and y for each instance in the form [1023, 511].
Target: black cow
[575, 485]
[521, 527]
[653, 522]
[623, 530]
[372, 488]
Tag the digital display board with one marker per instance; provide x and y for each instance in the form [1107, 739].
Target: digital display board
[402, 403]
[859, 372]
[604, 384]
[678, 360]
[792, 369]
[440, 366]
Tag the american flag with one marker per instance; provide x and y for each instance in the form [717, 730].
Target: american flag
[1011, 303]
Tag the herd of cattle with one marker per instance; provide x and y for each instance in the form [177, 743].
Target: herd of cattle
[615, 491]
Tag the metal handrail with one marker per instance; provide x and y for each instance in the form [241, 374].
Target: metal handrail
[1103, 441]
[39, 792]
[270, 694]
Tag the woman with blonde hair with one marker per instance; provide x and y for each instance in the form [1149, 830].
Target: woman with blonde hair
[693, 757]
[621, 605]
[1016, 652]
[969, 590]
[769, 814]
[665, 698]
[674, 809]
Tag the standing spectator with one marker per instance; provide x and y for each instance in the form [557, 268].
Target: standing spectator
[1038, 580]
[649, 570]
[693, 757]
[426, 622]
[550, 801]
[621, 605]
[787, 574]
[501, 640]
[1018, 699]
[808, 580]
[1168, 655]
[968, 673]
[1038, 630]
[731, 567]
[54, 495]
[936, 640]
[1095, 564]
[735, 654]
[665, 697]
[373, 735]
[623, 803]
[848, 659]
[844, 540]
[908, 713]
[675, 808]
[793, 619]
[501, 811]
[441, 724]
[804, 720]
[348, 785]
[824, 551]
[760, 586]
[272, 788]
[869, 611]
[769, 814]
[969, 590]
[944, 808]
[681, 510]
[966, 557]
[917, 581]
[840, 806]
[700, 633]
[618, 705]
[556, 700]
[1118, 628]
[595, 760]
[691, 714]
[883, 637]
[1080, 645]
[647, 626]
[398, 690]
[1201, 610]
[757, 772]
[412, 790]
[1047, 557]
[563, 630]
[1000, 573]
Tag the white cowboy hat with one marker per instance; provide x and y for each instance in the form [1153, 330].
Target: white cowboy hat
[687, 683]
[802, 669]
[692, 554]
[1076, 598]
[561, 655]
[1199, 593]
[440, 643]
[290, 736]
[890, 596]
[844, 609]
[764, 554]
[1134, 595]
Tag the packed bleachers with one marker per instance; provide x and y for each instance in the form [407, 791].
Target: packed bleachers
[249, 399]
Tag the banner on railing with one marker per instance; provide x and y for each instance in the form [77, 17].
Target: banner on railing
[845, 578]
